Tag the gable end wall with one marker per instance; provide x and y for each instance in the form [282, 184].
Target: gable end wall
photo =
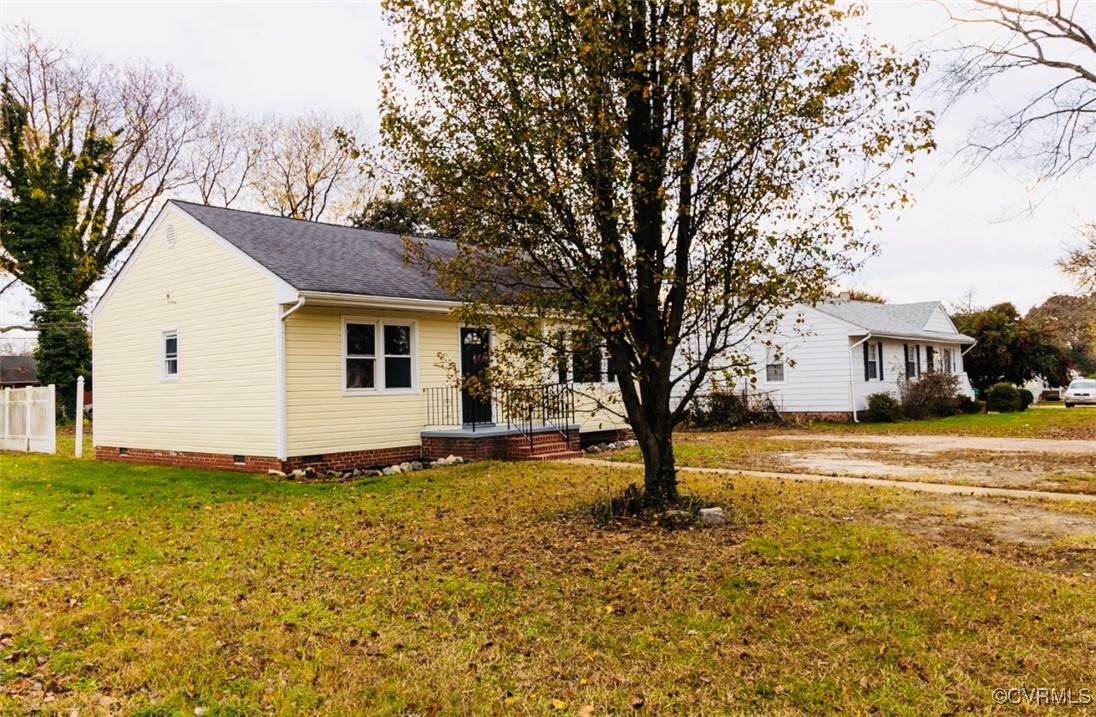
[223, 400]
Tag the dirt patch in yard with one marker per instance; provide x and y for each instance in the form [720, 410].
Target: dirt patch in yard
[1029, 534]
[1004, 520]
[1069, 472]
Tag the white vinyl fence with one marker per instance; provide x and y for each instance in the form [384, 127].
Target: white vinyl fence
[27, 420]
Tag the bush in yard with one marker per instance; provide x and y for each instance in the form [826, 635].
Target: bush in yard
[934, 394]
[883, 408]
[968, 405]
[1003, 397]
[1026, 399]
[720, 409]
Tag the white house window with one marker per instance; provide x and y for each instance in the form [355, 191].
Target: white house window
[397, 356]
[930, 359]
[774, 368]
[372, 365]
[911, 356]
[361, 356]
[169, 342]
[584, 360]
[871, 361]
[945, 360]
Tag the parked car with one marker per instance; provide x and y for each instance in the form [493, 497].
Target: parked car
[1080, 391]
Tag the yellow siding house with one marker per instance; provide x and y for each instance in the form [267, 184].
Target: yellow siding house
[238, 340]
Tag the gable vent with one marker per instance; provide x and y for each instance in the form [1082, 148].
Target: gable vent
[170, 235]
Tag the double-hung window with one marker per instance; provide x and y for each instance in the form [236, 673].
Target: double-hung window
[774, 367]
[871, 361]
[585, 358]
[581, 357]
[945, 360]
[912, 354]
[378, 356]
[169, 353]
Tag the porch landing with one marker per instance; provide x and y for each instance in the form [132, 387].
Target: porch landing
[486, 442]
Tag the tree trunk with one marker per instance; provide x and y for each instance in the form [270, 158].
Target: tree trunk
[659, 471]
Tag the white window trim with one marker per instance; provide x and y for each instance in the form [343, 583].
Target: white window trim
[770, 360]
[873, 350]
[165, 332]
[378, 357]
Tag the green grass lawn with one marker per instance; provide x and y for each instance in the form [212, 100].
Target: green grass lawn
[1040, 422]
[488, 589]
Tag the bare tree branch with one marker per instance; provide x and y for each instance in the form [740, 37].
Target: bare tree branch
[1053, 131]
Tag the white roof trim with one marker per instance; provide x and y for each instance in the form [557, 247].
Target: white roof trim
[331, 299]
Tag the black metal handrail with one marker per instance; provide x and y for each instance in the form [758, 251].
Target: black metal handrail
[522, 408]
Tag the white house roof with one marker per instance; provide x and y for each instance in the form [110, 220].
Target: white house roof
[316, 257]
[906, 321]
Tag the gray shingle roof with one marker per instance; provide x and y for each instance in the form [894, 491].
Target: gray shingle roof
[899, 320]
[311, 256]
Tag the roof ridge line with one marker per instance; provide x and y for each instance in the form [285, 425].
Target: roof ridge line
[305, 221]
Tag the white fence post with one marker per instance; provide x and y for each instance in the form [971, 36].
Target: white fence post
[79, 416]
[5, 427]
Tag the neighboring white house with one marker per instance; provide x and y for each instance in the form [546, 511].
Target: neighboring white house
[238, 340]
[833, 355]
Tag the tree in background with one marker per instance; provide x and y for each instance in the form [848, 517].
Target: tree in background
[222, 162]
[1071, 321]
[1079, 263]
[397, 215]
[86, 150]
[1053, 131]
[1011, 349]
[650, 170]
[304, 170]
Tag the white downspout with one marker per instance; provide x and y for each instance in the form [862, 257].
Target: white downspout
[279, 368]
[852, 391]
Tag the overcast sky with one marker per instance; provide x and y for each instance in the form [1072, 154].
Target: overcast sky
[969, 230]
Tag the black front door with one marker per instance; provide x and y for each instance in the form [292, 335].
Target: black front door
[475, 353]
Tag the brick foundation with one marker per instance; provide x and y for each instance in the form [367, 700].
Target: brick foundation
[514, 447]
[355, 459]
[188, 459]
[593, 438]
[260, 464]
